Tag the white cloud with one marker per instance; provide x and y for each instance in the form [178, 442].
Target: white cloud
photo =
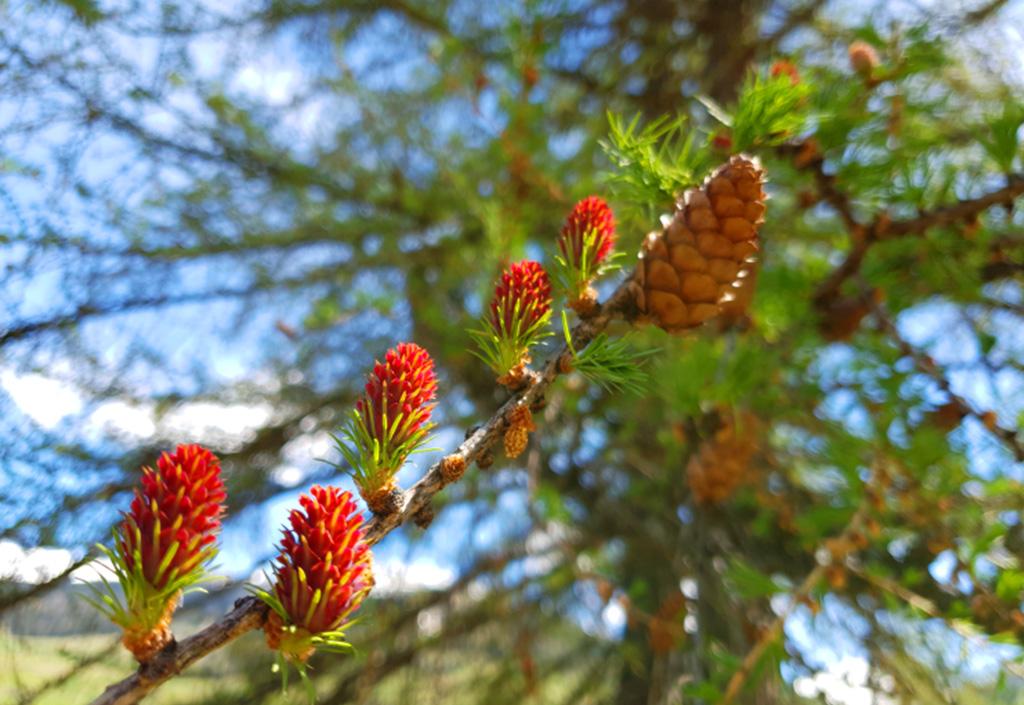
[200, 418]
[36, 565]
[843, 683]
[46, 401]
[120, 418]
[396, 577]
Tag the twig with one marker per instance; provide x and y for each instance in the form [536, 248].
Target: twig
[928, 366]
[43, 587]
[754, 655]
[250, 612]
[796, 596]
[420, 494]
[928, 607]
[883, 228]
[964, 210]
[864, 235]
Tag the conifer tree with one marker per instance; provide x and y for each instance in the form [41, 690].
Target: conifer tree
[685, 335]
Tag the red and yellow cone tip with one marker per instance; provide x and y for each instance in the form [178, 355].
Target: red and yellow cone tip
[591, 215]
[179, 510]
[399, 393]
[781, 67]
[523, 297]
[325, 568]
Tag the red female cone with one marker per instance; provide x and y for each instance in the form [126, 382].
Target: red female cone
[389, 423]
[163, 546]
[586, 243]
[323, 572]
[518, 313]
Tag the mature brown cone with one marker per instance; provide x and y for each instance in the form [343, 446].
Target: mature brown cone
[688, 269]
[666, 626]
[722, 462]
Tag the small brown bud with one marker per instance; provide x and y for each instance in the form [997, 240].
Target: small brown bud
[145, 645]
[453, 467]
[519, 377]
[807, 154]
[386, 500]
[518, 435]
[836, 576]
[424, 517]
[565, 364]
[485, 459]
[586, 304]
[863, 58]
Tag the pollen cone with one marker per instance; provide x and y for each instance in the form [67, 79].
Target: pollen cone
[693, 265]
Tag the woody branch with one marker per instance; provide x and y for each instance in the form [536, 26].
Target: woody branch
[250, 613]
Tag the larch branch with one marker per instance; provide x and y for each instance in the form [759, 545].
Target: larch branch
[807, 158]
[250, 612]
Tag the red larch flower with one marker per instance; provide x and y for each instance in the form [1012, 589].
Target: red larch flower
[173, 521]
[590, 230]
[390, 422]
[722, 141]
[324, 571]
[398, 395]
[516, 318]
[788, 68]
[586, 243]
[522, 300]
[163, 546]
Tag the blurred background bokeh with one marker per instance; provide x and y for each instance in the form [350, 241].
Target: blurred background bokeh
[214, 216]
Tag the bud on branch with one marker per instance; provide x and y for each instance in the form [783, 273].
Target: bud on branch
[586, 243]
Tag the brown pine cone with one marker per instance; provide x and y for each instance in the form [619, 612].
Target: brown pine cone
[722, 462]
[691, 266]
